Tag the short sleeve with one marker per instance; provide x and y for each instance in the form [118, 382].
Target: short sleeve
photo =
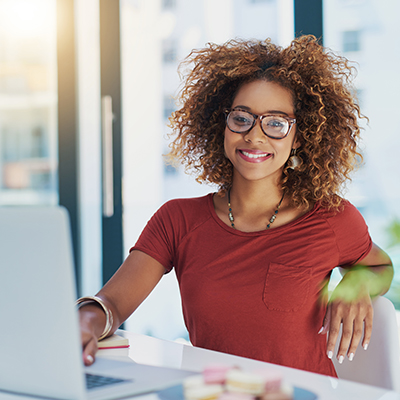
[157, 238]
[352, 236]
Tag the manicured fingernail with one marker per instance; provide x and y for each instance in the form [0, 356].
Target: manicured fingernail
[322, 328]
[365, 346]
[89, 358]
[351, 356]
[341, 358]
[330, 354]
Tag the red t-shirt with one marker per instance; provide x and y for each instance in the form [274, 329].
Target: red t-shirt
[255, 294]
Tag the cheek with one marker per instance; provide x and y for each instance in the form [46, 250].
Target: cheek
[227, 140]
[225, 147]
[286, 149]
[230, 138]
[231, 142]
[296, 142]
[283, 149]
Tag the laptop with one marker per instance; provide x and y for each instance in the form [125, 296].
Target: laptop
[40, 349]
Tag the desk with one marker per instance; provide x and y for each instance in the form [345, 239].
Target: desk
[147, 350]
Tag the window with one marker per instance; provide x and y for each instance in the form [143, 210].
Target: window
[375, 189]
[168, 4]
[170, 169]
[169, 52]
[351, 41]
[169, 106]
[360, 94]
[28, 102]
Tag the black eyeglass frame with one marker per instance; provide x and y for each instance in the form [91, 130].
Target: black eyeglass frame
[291, 122]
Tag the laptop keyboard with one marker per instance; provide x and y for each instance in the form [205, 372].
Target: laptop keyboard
[96, 381]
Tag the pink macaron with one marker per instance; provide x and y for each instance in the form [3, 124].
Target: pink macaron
[272, 379]
[215, 374]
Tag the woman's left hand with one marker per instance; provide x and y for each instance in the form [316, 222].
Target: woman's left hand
[350, 305]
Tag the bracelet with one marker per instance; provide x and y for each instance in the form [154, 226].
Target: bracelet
[109, 317]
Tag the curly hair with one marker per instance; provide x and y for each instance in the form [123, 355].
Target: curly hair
[326, 111]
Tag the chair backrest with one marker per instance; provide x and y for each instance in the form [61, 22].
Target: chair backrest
[379, 365]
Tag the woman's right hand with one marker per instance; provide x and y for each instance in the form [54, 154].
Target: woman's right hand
[92, 321]
[122, 294]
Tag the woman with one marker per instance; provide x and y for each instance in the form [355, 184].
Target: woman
[277, 130]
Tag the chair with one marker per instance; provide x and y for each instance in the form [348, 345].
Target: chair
[379, 365]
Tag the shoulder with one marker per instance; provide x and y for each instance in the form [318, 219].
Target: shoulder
[346, 214]
[350, 231]
[345, 223]
[174, 220]
[187, 211]
[189, 202]
[191, 205]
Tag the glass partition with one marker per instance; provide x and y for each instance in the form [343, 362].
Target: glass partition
[28, 102]
[366, 32]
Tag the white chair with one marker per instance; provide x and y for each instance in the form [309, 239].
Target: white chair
[379, 365]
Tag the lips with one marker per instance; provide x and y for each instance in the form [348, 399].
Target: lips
[254, 155]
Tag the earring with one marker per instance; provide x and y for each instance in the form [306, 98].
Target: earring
[294, 161]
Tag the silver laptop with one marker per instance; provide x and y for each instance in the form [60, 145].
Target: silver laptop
[40, 350]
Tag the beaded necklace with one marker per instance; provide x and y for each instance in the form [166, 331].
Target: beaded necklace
[271, 220]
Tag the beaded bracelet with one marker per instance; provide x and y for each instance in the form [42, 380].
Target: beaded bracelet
[109, 317]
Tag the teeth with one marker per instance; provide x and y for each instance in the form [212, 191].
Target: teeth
[250, 155]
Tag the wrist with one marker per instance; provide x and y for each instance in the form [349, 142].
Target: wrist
[92, 319]
[98, 311]
[363, 279]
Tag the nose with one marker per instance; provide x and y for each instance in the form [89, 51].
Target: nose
[255, 134]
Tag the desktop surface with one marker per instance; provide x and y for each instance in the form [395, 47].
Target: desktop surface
[148, 350]
[152, 351]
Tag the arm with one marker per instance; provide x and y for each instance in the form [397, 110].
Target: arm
[122, 294]
[351, 304]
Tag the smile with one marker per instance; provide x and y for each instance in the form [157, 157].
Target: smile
[254, 156]
[251, 155]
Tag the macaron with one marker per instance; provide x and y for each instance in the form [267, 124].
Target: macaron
[272, 379]
[204, 392]
[286, 392]
[235, 396]
[244, 382]
[215, 374]
[193, 381]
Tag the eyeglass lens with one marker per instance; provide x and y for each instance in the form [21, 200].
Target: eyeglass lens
[272, 125]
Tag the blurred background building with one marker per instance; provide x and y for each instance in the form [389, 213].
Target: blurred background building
[154, 37]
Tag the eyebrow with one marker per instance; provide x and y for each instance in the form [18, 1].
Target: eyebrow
[245, 108]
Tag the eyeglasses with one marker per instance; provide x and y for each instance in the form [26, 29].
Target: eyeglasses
[272, 125]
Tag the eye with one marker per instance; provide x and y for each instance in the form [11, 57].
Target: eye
[275, 123]
[240, 118]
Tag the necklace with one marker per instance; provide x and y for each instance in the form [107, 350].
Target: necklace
[271, 220]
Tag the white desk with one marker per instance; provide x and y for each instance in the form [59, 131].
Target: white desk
[152, 351]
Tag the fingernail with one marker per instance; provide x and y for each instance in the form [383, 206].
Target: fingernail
[322, 328]
[351, 356]
[330, 354]
[341, 358]
[365, 346]
[90, 359]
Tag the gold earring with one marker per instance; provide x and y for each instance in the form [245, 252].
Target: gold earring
[294, 161]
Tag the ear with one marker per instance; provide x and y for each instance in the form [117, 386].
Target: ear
[296, 143]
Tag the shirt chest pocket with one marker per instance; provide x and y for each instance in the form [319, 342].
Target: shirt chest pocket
[286, 287]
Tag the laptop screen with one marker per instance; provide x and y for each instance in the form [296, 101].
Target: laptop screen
[40, 346]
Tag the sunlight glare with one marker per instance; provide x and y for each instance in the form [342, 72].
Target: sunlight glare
[27, 18]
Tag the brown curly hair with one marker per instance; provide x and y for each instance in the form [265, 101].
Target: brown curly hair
[326, 112]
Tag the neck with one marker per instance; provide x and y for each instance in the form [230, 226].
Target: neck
[255, 195]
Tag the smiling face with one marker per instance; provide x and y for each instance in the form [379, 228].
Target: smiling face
[254, 155]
